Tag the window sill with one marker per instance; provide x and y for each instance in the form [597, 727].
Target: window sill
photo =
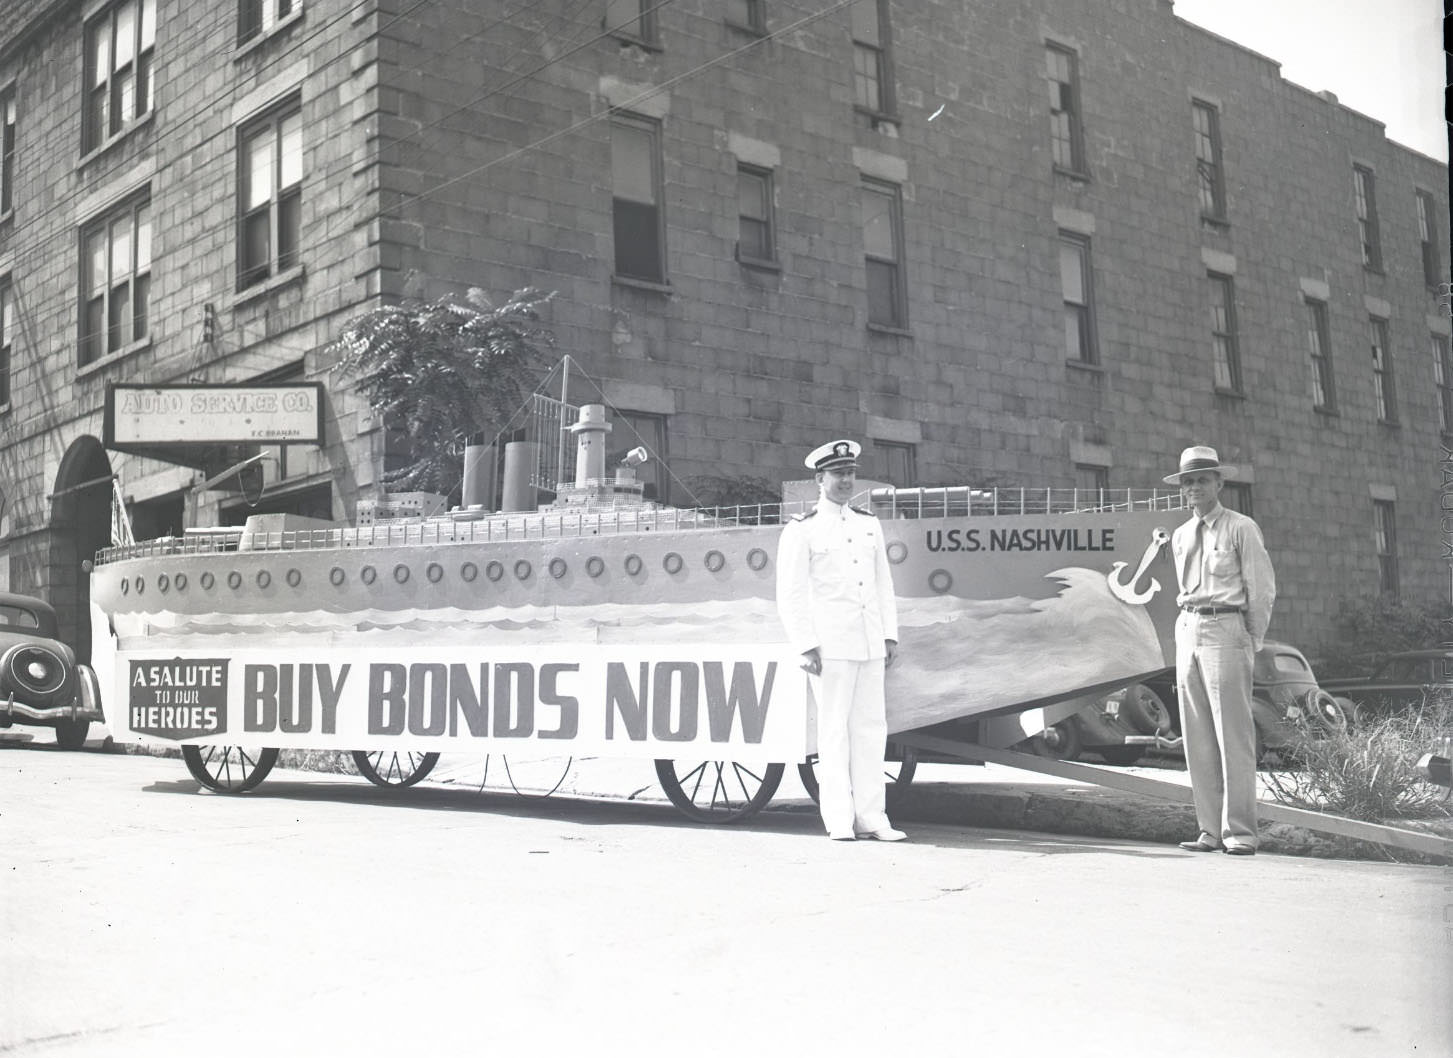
[878, 118]
[894, 329]
[1086, 365]
[1391, 424]
[739, 27]
[651, 285]
[759, 264]
[296, 274]
[1373, 269]
[627, 40]
[1329, 412]
[110, 359]
[105, 145]
[7, 216]
[1081, 176]
[1233, 394]
[1215, 223]
[246, 48]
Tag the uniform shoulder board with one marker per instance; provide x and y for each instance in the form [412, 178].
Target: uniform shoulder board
[860, 510]
[804, 515]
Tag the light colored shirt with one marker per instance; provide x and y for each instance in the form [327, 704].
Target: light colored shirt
[834, 584]
[1234, 568]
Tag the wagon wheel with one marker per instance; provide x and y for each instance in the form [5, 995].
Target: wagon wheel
[718, 791]
[229, 769]
[387, 767]
[898, 773]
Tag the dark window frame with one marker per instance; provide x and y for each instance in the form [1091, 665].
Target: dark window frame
[1384, 533]
[281, 213]
[876, 265]
[756, 20]
[873, 70]
[897, 461]
[1082, 311]
[257, 19]
[1319, 356]
[1384, 379]
[1092, 477]
[1225, 343]
[103, 96]
[1364, 190]
[101, 331]
[1427, 207]
[1442, 349]
[1210, 166]
[647, 31]
[7, 337]
[627, 433]
[1066, 111]
[627, 213]
[8, 125]
[767, 239]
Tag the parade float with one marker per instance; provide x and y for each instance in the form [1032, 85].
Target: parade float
[601, 623]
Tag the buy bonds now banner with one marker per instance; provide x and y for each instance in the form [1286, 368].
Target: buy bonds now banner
[738, 702]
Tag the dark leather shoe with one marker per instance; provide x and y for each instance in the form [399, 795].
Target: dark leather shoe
[1199, 845]
[1240, 850]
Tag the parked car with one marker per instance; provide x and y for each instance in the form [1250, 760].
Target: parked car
[41, 683]
[1123, 726]
[1401, 680]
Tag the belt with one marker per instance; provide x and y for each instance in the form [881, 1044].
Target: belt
[1211, 611]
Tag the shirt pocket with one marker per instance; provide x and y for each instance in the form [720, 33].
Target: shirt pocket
[1225, 562]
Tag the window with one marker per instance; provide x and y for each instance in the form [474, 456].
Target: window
[257, 18]
[883, 250]
[895, 462]
[1066, 135]
[872, 66]
[1319, 356]
[630, 429]
[1091, 483]
[1225, 354]
[1382, 380]
[1384, 531]
[1236, 496]
[271, 188]
[633, 19]
[756, 239]
[7, 337]
[1209, 174]
[747, 14]
[7, 150]
[115, 280]
[1443, 377]
[640, 230]
[1362, 184]
[119, 47]
[1074, 274]
[1427, 227]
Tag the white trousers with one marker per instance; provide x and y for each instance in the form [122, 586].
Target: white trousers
[852, 734]
[1213, 677]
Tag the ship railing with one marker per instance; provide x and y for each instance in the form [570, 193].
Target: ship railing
[474, 526]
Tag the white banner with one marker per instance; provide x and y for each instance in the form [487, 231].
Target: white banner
[722, 702]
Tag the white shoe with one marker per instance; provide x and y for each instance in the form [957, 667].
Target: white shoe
[842, 835]
[884, 834]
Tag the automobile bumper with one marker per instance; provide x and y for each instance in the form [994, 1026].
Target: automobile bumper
[10, 709]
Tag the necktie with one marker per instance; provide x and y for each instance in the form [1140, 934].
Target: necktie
[1193, 558]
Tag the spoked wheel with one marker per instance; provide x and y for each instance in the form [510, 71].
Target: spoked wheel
[387, 767]
[229, 769]
[897, 774]
[718, 791]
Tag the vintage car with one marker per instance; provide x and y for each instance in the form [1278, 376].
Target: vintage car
[41, 683]
[1401, 680]
[1123, 726]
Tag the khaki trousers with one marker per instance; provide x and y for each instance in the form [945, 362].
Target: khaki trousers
[1213, 680]
[852, 733]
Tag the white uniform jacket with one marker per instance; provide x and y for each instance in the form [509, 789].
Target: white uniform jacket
[834, 585]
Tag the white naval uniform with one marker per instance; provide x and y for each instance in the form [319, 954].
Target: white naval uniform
[835, 593]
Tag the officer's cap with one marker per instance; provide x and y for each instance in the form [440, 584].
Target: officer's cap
[835, 455]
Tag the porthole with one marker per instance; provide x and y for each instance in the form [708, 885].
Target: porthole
[633, 565]
[595, 565]
[434, 572]
[672, 563]
[757, 559]
[401, 573]
[469, 572]
[494, 571]
[180, 582]
[715, 560]
[523, 569]
[558, 568]
[368, 574]
[295, 577]
[940, 580]
[140, 585]
[207, 581]
[125, 586]
[234, 580]
[163, 583]
[264, 578]
[897, 552]
[337, 576]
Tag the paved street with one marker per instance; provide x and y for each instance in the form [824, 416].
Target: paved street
[322, 916]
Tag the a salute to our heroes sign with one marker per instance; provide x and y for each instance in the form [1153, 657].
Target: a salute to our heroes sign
[746, 702]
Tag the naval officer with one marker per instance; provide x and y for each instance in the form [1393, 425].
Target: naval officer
[1227, 590]
[835, 598]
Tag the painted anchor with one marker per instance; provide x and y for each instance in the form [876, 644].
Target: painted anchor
[1125, 591]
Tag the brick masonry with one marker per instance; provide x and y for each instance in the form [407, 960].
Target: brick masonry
[437, 156]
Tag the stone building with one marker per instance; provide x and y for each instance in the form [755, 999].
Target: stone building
[1013, 242]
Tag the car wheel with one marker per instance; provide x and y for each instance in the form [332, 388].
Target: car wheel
[1142, 708]
[1061, 741]
[71, 734]
[1121, 756]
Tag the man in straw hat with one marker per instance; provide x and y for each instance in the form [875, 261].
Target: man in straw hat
[1226, 592]
[835, 597]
